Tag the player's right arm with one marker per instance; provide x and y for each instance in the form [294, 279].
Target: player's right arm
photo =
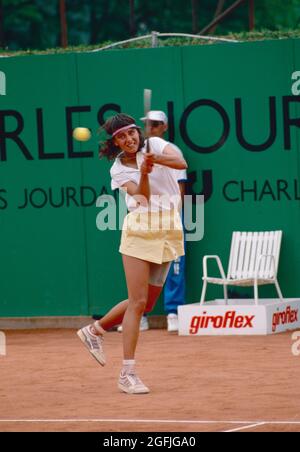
[143, 188]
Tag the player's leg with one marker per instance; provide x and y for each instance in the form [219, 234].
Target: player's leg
[114, 316]
[137, 277]
[137, 273]
[92, 335]
[157, 278]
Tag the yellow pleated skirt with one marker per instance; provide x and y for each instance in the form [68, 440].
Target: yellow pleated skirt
[153, 236]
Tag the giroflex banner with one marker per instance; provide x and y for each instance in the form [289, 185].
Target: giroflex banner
[234, 110]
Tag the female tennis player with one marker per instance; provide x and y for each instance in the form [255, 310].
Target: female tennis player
[151, 239]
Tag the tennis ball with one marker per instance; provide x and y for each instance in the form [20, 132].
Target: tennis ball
[81, 134]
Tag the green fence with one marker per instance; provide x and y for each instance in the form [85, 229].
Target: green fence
[232, 111]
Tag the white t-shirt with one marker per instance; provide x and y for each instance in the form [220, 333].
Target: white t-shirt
[181, 174]
[165, 193]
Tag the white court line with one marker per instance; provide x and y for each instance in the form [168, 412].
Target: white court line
[247, 424]
[134, 421]
[244, 428]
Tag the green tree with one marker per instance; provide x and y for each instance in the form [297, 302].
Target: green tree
[275, 14]
[36, 23]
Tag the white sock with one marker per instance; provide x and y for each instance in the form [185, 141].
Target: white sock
[93, 330]
[96, 330]
[128, 366]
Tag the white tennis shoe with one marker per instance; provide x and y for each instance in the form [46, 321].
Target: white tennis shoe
[132, 384]
[93, 343]
[172, 320]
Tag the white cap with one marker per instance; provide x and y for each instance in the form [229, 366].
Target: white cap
[155, 115]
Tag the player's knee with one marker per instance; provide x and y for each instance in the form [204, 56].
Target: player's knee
[139, 305]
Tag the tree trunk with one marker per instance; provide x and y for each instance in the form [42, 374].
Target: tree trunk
[63, 24]
[93, 22]
[222, 16]
[195, 20]
[131, 18]
[2, 39]
[219, 9]
[100, 24]
[251, 15]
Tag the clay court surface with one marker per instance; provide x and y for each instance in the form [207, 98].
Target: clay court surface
[49, 382]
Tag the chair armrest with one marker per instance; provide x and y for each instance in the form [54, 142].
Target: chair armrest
[259, 263]
[205, 259]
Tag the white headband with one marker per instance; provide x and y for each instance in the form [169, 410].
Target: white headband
[122, 129]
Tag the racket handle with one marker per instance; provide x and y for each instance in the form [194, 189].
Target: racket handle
[147, 146]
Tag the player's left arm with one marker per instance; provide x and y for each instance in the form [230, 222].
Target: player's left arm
[171, 158]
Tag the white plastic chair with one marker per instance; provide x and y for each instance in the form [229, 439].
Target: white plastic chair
[253, 261]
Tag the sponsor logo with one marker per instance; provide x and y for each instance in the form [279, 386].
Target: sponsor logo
[282, 318]
[229, 320]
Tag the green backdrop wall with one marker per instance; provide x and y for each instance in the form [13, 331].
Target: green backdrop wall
[232, 112]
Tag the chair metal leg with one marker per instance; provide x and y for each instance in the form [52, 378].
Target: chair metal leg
[225, 294]
[255, 293]
[278, 290]
[203, 292]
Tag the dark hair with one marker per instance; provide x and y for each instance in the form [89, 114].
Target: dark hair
[108, 149]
